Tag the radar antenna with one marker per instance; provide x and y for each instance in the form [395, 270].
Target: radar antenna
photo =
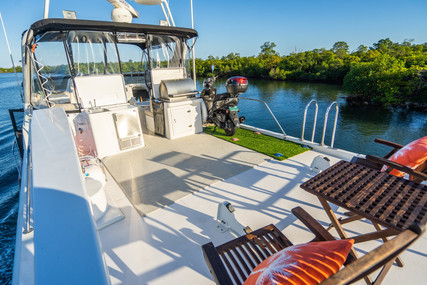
[122, 12]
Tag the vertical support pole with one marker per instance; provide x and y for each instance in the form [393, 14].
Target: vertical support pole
[194, 48]
[165, 14]
[46, 9]
[169, 12]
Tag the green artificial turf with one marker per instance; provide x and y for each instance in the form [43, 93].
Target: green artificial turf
[259, 142]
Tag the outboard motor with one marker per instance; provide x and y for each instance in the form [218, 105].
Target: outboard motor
[223, 107]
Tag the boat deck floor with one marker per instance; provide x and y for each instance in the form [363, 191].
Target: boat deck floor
[166, 170]
[164, 246]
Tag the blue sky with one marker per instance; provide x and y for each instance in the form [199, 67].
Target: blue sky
[242, 26]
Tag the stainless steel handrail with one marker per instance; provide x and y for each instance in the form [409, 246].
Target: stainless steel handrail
[326, 121]
[28, 228]
[305, 117]
[15, 141]
[266, 105]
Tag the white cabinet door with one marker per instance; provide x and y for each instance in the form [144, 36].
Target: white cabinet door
[181, 121]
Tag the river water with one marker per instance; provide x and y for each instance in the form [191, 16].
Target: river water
[9, 99]
[357, 128]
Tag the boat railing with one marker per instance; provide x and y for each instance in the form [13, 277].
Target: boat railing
[28, 227]
[271, 113]
[305, 117]
[322, 143]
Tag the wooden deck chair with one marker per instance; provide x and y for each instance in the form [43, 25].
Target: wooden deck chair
[418, 175]
[228, 265]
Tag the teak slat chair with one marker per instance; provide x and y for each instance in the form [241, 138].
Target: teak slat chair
[232, 262]
[418, 175]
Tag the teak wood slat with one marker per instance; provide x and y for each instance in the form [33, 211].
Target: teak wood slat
[388, 200]
[224, 273]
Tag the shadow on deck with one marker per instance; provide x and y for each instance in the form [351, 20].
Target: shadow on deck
[166, 170]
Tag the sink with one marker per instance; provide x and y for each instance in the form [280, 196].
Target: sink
[97, 110]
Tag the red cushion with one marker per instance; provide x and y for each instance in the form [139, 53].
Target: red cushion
[302, 264]
[411, 155]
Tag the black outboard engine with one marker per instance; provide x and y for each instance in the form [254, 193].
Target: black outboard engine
[223, 107]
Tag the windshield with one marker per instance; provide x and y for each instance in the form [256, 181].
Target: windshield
[134, 62]
[167, 52]
[51, 73]
[59, 57]
[93, 53]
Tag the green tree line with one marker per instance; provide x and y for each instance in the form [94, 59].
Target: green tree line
[387, 72]
[9, 70]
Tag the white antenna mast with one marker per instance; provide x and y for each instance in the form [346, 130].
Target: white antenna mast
[46, 9]
[169, 11]
[194, 48]
[11, 58]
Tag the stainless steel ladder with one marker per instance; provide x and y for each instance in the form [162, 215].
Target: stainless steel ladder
[322, 143]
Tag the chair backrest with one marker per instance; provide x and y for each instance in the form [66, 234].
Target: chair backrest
[100, 90]
[232, 262]
[241, 255]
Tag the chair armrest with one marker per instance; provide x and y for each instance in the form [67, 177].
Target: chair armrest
[391, 164]
[317, 229]
[395, 146]
[367, 163]
[215, 265]
[376, 258]
[388, 143]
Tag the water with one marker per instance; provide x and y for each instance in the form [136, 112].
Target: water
[9, 99]
[358, 126]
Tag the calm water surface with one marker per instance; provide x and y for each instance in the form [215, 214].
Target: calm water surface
[357, 127]
[9, 99]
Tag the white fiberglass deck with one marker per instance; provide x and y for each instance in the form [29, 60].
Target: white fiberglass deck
[164, 170]
[163, 247]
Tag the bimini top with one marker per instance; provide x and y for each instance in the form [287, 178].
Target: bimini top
[53, 24]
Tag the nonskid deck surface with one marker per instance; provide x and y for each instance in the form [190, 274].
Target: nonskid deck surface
[164, 246]
[166, 170]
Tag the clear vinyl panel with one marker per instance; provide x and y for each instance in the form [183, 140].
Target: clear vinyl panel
[167, 52]
[93, 53]
[51, 78]
[134, 63]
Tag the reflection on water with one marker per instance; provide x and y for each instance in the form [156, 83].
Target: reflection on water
[357, 128]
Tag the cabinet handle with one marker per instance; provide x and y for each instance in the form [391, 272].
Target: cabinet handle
[189, 111]
[190, 126]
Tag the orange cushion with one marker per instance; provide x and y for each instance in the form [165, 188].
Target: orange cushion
[302, 264]
[411, 155]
